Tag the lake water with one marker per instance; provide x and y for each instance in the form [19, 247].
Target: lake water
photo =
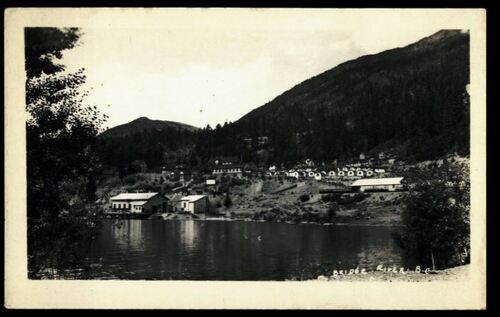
[236, 250]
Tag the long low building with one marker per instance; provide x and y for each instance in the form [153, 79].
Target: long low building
[228, 169]
[140, 202]
[376, 184]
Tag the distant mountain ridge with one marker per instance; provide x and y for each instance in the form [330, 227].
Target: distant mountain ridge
[144, 123]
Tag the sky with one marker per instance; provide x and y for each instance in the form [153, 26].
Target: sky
[203, 76]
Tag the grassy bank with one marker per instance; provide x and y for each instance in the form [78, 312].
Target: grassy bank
[258, 200]
[277, 200]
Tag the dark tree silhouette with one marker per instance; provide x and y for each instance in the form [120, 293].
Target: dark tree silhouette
[60, 135]
[437, 214]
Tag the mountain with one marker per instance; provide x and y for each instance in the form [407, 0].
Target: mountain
[143, 123]
[380, 70]
[154, 142]
[410, 100]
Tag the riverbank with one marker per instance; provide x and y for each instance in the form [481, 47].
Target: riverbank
[294, 202]
[203, 217]
[458, 273]
[308, 203]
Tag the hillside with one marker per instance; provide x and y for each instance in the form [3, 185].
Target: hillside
[155, 142]
[409, 100]
[143, 123]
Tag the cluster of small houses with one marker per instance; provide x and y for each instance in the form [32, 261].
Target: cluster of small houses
[306, 171]
[359, 179]
[319, 174]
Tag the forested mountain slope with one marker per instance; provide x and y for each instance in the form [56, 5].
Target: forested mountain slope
[411, 100]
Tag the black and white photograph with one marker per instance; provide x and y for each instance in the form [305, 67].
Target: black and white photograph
[251, 145]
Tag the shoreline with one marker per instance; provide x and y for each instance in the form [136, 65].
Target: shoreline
[181, 217]
[257, 200]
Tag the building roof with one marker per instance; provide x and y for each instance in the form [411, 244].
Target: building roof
[192, 198]
[140, 202]
[134, 196]
[378, 181]
[227, 166]
[176, 197]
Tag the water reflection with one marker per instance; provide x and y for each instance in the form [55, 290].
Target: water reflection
[128, 233]
[218, 250]
[189, 233]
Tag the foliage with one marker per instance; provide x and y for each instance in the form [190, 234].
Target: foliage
[436, 214]
[212, 208]
[59, 247]
[332, 210]
[344, 199]
[44, 46]
[144, 186]
[304, 197]
[331, 197]
[360, 213]
[165, 146]
[61, 165]
[228, 202]
[350, 199]
[237, 182]
[176, 184]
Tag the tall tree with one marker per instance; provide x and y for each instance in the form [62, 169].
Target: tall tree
[436, 215]
[61, 131]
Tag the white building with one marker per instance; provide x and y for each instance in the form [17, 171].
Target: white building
[194, 203]
[140, 202]
[294, 174]
[377, 184]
